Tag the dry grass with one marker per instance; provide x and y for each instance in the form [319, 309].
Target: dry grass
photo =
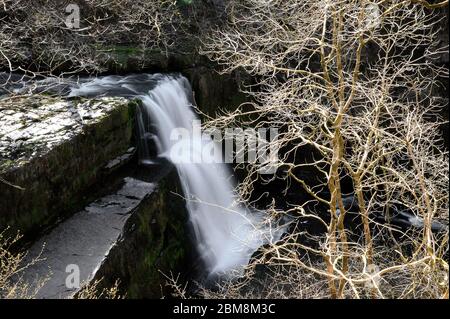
[93, 291]
[12, 285]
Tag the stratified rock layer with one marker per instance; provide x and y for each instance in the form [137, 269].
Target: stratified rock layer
[52, 150]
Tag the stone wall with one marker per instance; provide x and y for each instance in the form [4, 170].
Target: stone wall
[52, 151]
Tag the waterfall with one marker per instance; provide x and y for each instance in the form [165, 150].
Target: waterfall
[226, 233]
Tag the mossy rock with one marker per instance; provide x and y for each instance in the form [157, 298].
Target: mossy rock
[56, 180]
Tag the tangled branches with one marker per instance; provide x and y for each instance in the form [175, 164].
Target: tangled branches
[350, 82]
[39, 37]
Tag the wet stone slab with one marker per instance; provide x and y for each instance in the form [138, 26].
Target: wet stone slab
[84, 240]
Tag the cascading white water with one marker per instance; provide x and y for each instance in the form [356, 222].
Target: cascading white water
[226, 233]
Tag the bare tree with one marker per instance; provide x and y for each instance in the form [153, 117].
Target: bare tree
[351, 82]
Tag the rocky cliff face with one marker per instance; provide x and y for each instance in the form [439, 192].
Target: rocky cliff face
[52, 151]
[62, 171]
